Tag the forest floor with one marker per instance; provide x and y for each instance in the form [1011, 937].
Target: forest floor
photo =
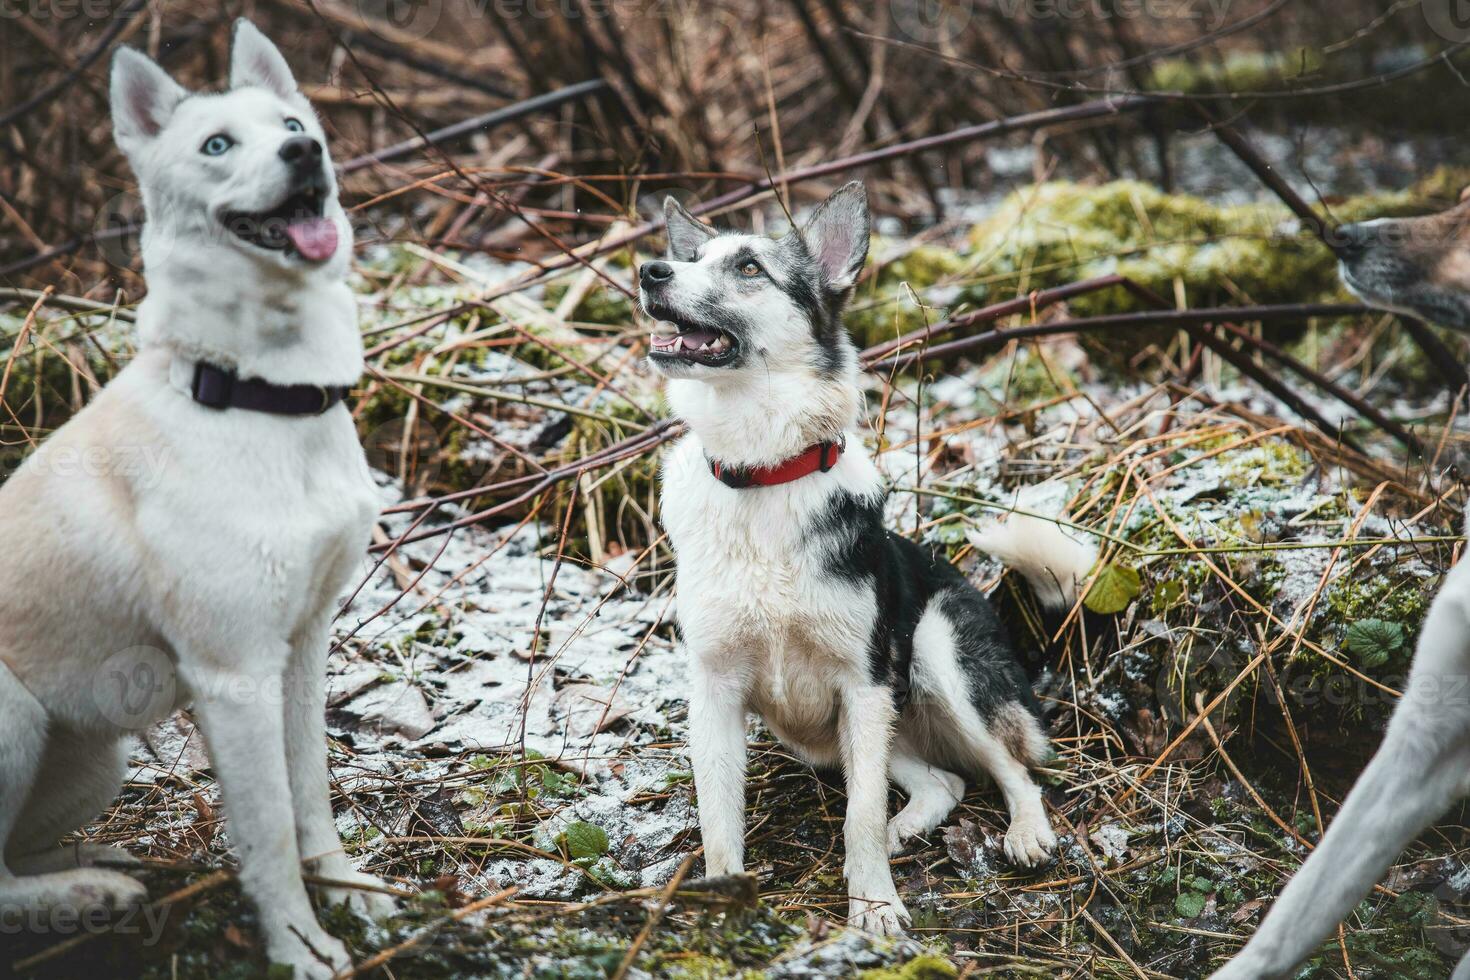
[507, 707]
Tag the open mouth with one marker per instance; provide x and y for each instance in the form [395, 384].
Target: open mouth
[676, 340]
[295, 226]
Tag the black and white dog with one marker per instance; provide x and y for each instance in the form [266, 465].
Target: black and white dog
[857, 647]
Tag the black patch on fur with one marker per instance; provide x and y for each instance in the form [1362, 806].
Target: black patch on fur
[905, 578]
[823, 309]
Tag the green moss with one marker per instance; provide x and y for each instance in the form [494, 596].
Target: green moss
[924, 967]
[1372, 594]
[885, 308]
[1060, 232]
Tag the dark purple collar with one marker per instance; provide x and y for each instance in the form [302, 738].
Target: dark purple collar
[219, 388]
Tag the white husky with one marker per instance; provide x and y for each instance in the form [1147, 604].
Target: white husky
[211, 576]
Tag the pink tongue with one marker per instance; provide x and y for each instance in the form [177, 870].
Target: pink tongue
[314, 238]
[695, 339]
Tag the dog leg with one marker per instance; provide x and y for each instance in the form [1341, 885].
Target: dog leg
[1393, 801]
[717, 750]
[23, 749]
[933, 794]
[1416, 774]
[243, 723]
[867, 721]
[306, 762]
[79, 778]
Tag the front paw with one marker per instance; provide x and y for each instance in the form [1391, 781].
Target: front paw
[1030, 841]
[882, 917]
[366, 901]
[310, 953]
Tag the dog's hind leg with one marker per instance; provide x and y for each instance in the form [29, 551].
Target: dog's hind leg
[933, 794]
[1420, 769]
[79, 777]
[23, 755]
[946, 702]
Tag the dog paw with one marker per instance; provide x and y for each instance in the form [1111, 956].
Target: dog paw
[901, 830]
[881, 917]
[312, 955]
[77, 889]
[1030, 841]
[366, 901]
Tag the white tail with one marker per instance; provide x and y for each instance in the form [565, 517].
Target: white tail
[1055, 564]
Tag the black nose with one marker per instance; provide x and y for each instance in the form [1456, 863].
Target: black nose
[1350, 241]
[303, 153]
[653, 273]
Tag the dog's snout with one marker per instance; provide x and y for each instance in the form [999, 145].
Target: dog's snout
[302, 153]
[1351, 241]
[654, 273]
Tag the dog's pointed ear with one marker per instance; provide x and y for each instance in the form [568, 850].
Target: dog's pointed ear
[254, 60]
[837, 236]
[686, 232]
[143, 98]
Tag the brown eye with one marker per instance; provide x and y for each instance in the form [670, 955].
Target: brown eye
[750, 269]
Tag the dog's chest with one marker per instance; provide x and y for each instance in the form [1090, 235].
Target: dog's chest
[291, 500]
[755, 585]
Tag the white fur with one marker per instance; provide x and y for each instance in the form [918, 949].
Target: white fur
[1054, 563]
[1422, 767]
[211, 577]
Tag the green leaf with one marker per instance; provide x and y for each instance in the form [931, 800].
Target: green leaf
[1168, 594]
[584, 840]
[1190, 904]
[1374, 641]
[1112, 590]
[611, 876]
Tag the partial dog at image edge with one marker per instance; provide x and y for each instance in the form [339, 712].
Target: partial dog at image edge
[1419, 266]
[211, 575]
[858, 648]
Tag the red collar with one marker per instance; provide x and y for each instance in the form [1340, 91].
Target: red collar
[814, 459]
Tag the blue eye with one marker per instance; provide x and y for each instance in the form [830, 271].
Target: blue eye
[217, 144]
[294, 125]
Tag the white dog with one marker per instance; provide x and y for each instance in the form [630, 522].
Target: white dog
[1419, 266]
[860, 649]
[210, 576]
